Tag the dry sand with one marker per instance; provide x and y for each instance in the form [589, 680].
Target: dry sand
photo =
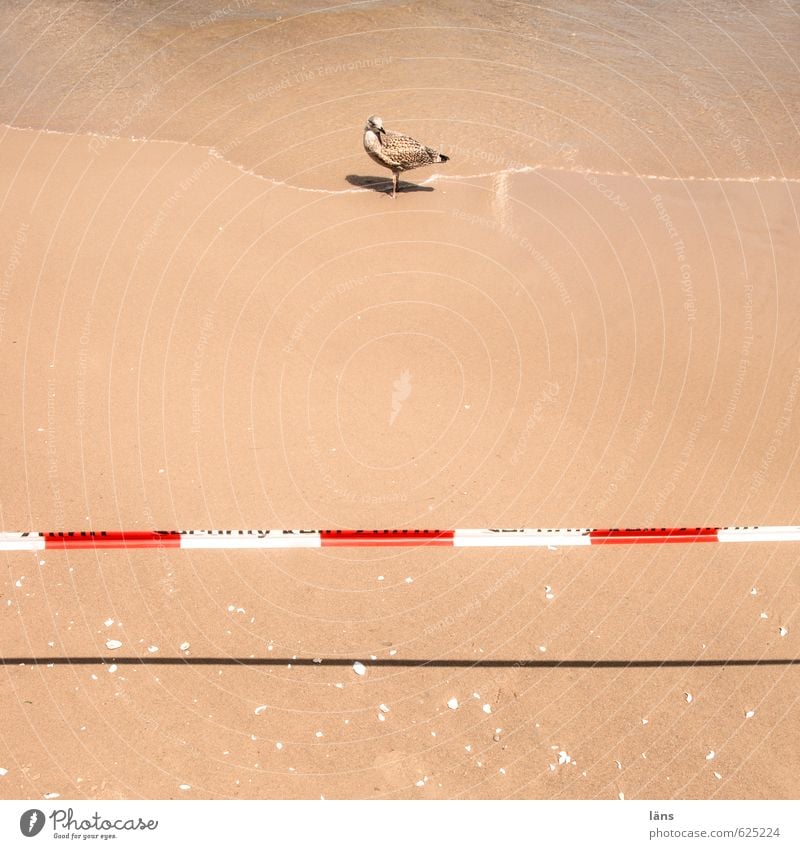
[192, 339]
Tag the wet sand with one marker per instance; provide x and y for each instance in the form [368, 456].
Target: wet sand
[193, 337]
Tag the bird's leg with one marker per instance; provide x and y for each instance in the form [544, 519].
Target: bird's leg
[395, 175]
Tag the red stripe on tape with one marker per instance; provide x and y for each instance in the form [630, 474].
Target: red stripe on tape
[112, 539]
[605, 536]
[386, 537]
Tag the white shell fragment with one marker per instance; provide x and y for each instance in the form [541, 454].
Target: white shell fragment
[453, 703]
[359, 668]
[113, 644]
[259, 710]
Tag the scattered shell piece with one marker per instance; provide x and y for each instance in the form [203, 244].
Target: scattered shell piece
[622, 796]
[468, 747]
[113, 667]
[380, 578]
[339, 686]
[108, 623]
[564, 758]
[152, 649]
[754, 591]
[184, 646]
[384, 708]
[764, 615]
[318, 734]
[113, 644]
[419, 783]
[317, 660]
[487, 708]
[185, 786]
[381, 717]
[496, 738]
[717, 776]
[502, 771]
[259, 710]
[542, 648]
[689, 697]
[279, 745]
[645, 721]
[51, 795]
[711, 755]
[392, 652]
[750, 714]
[3, 772]
[548, 593]
[452, 703]
[359, 668]
[619, 765]
[783, 631]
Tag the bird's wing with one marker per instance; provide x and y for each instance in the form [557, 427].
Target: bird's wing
[406, 152]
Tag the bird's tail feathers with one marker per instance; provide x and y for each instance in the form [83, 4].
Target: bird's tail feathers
[443, 158]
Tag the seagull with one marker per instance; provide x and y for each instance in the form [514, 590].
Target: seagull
[395, 151]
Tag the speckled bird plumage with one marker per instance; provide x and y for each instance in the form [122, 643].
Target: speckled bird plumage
[395, 151]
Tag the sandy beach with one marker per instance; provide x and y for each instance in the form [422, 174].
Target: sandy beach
[212, 315]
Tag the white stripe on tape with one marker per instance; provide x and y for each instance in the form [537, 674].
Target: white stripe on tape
[11, 541]
[763, 533]
[257, 539]
[487, 537]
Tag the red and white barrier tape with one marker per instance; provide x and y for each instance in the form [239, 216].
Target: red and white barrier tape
[464, 537]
